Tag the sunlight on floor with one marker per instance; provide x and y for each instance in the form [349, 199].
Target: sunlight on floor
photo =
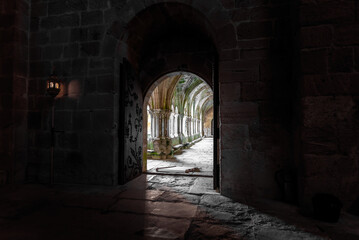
[198, 156]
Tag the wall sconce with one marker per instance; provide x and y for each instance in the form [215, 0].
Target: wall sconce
[53, 85]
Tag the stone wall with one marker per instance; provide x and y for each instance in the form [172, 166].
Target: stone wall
[79, 38]
[14, 25]
[329, 51]
[287, 86]
[256, 90]
[71, 37]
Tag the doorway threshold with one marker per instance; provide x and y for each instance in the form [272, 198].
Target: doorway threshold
[178, 174]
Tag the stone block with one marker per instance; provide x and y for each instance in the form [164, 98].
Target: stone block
[90, 49]
[52, 52]
[96, 32]
[83, 120]
[90, 85]
[43, 139]
[109, 46]
[254, 44]
[40, 69]
[238, 65]
[95, 4]
[254, 54]
[91, 18]
[250, 3]
[250, 30]
[230, 92]
[62, 68]
[318, 36]
[5, 101]
[69, 20]
[103, 120]
[38, 9]
[227, 37]
[7, 20]
[35, 53]
[79, 66]
[63, 120]
[240, 14]
[239, 76]
[326, 111]
[59, 7]
[314, 61]
[79, 34]
[246, 112]
[231, 54]
[60, 35]
[71, 50]
[96, 63]
[236, 164]
[105, 84]
[327, 12]
[341, 60]
[34, 120]
[322, 147]
[228, 4]
[344, 84]
[105, 101]
[347, 34]
[235, 136]
[265, 13]
[67, 140]
[101, 101]
[7, 67]
[254, 91]
[39, 38]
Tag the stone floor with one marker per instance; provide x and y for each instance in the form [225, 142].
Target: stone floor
[199, 155]
[153, 207]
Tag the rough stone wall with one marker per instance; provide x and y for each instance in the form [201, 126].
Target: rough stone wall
[71, 37]
[78, 38]
[14, 25]
[258, 69]
[255, 98]
[329, 37]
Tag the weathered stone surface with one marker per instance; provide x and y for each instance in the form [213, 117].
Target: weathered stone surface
[318, 36]
[254, 30]
[137, 213]
[314, 61]
[341, 60]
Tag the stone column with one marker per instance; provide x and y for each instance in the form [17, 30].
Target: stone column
[162, 143]
[180, 127]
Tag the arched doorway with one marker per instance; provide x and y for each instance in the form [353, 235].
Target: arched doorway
[162, 39]
[177, 109]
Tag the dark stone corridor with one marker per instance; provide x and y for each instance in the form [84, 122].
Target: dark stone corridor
[273, 83]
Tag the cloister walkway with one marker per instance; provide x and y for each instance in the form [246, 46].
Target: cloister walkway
[198, 156]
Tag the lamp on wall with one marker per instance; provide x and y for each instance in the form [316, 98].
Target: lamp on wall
[53, 87]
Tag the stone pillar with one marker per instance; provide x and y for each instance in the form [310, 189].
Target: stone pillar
[180, 127]
[162, 143]
[189, 130]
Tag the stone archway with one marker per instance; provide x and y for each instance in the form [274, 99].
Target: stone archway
[182, 40]
[185, 98]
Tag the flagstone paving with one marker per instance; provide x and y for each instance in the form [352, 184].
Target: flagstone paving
[153, 207]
